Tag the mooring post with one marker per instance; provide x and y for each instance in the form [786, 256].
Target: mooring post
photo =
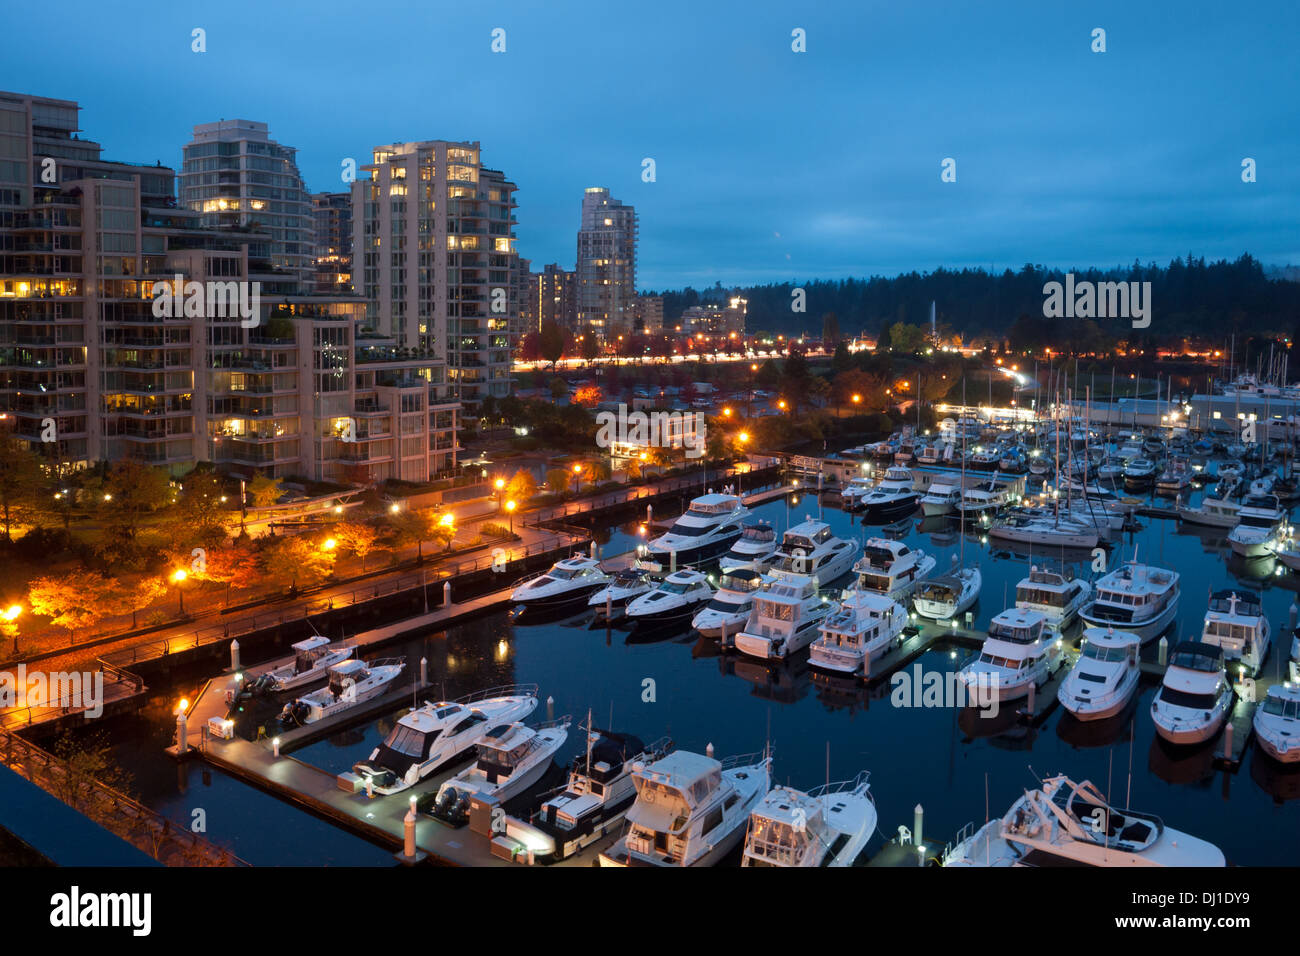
[1227, 740]
[649, 514]
[609, 605]
[408, 831]
[1162, 654]
[672, 562]
[424, 671]
[234, 655]
[275, 746]
[550, 708]
[370, 786]
[708, 750]
[446, 594]
[722, 641]
[182, 734]
[1295, 613]
[1033, 693]
[918, 819]
[593, 547]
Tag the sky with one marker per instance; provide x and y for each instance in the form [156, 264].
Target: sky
[770, 164]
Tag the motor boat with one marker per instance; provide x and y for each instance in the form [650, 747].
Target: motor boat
[1063, 823]
[1055, 596]
[1105, 677]
[1038, 527]
[690, 809]
[568, 581]
[626, 584]
[436, 734]
[893, 497]
[598, 792]
[851, 494]
[828, 826]
[1176, 477]
[708, 529]
[731, 604]
[941, 498]
[756, 546]
[784, 619]
[1261, 527]
[1111, 470]
[1136, 597]
[1020, 651]
[1213, 511]
[984, 498]
[811, 548]
[1195, 697]
[1277, 723]
[1236, 623]
[351, 682]
[984, 459]
[890, 568]
[860, 629]
[930, 455]
[312, 660]
[948, 595]
[675, 597]
[1140, 473]
[511, 758]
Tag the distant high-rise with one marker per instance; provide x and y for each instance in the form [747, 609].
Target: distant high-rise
[552, 298]
[606, 269]
[332, 243]
[234, 175]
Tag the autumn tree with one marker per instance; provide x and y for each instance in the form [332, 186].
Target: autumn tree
[356, 538]
[551, 342]
[134, 491]
[134, 597]
[265, 491]
[412, 527]
[296, 559]
[74, 599]
[236, 566]
[557, 480]
[522, 486]
[201, 516]
[20, 480]
[588, 396]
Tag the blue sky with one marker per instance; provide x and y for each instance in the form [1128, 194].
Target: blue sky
[771, 165]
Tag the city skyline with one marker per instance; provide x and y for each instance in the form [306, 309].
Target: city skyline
[1065, 156]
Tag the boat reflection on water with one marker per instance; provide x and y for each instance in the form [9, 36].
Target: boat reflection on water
[705, 647]
[1001, 729]
[1279, 781]
[573, 614]
[1252, 569]
[844, 691]
[1181, 764]
[1214, 541]
[784, 682]
[1088, 734]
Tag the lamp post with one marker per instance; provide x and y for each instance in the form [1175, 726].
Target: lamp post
[511, 505]
[178, 578]
[500, 486]
[577, 478]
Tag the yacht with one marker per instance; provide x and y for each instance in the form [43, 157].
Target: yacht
[930, 455]
[890, 568]
[312, 660]
[1277, 723]
[852, 493]
[569, 580]
[1111, 470]
[626, 584]
[436, 734]
[828, 826]
[1020, 651]
[511, 758]
[1235, 622]
[784, 618]
[731, 604]
[1195, 696]
[677, 596]
[1105, 677]
[810, 548]
[948, 595]
[941, 498]
[892, 498]
[984, 498]
[1040, 527]
[1176, 478]
[860, 629]
[351, 682]
[1063, 823]
[690, 810]
[757, 545]
[1136, 598]
[598, 793]
[1260, 529]
[1052, 594]
[1140, 473]
[1213, 511]
[706, 531]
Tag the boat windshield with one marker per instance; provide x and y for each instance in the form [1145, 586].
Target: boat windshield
[1281, 707]
[676, 587]
[692, 531]
[562, 574]
[409, 741]
[1100, 652]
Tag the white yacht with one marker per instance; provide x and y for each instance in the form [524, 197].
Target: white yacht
[757, 545]
[677, 596]
[706, 531]
[890, 568]
[1213, 512]
[731, 604]
[984, 498]
[941, 498]
[828, 826]
[1136, 598]
[690, 809]
[1176, 477]
[1195, 696]
[626, 584]
[1063, 823]
[811, 548]
[569, 580]
[1020, 651]
[1236, 623]
[1140, 473]
[854, 491]
[312, 660]
[1105, 677]
[598, 793]
[948, 595]
[1260, 529]
[511, 758]
[784, 619]
[1059, 598]
[1111, 470]
[893, 497]
[351, 682]
[1061, 530]
[860, 629]
[1277, 723]
[436, 734]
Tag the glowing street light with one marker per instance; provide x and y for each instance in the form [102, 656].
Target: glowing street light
[178, 578]
[511, 505]
[329, 544]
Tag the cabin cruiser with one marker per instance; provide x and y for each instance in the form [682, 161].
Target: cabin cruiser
[436, 734]
[690, 809]
[852, 493]
[1111, 470]
[1140, 473]
[1137, 598]
[1020, 651]
[569, 580]
[1213, 511]
[511, 758]
[598, 793]
[731, 604]
[983, 498]
[1260, 529]
[1195, 697]
[892, 498]
[312, 660]
[1064, 823]
[948, 595]
[706, 531]
[941, 498]
[860, 629]
[1175, 478]
[626, 584]
[810, 548]
[1105, 677]
[784, 618]
[1277, 723]
[676, 596]
[351, 682]
[756, 546]
[984, 459]
[828, 826]
[890, 568]
[1059, 599]
[1236, 623]
[930, 455]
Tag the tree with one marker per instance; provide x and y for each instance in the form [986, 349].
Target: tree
[830, 330]
[530, 347]
[264, 491]
[73, 600]
[557, 480]
[819, 389]
[236, 566]
[842, 359]
[444, 531]
[136, 490]
[907, 338]
[413, 527]
[588, 396]
[295, 558]
[551, 343]
[20, 479]
[522, 486]
[590, 347]
[559, 388]
[200, 516]
[136, 596]
[356, 538]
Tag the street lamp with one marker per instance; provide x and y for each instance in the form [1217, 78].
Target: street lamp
[178, 578]
[511, 505]
[500, 486]
[329, 544]
[577, 479]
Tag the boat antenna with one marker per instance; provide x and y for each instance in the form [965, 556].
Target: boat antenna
[589, 735]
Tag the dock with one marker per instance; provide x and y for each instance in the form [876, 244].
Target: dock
[123, 691]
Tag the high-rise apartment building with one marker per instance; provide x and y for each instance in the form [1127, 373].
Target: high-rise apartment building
[648, 317]
[552, 297]
[434, 257]
[606, 268]
[332, 243]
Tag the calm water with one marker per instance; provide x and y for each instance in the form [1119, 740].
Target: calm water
[933, 756]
